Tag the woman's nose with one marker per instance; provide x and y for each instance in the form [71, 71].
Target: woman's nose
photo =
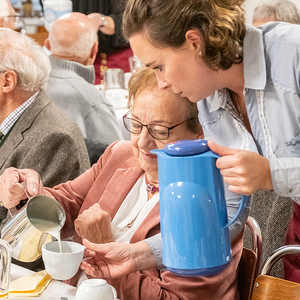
[162, 83]
[145, 137]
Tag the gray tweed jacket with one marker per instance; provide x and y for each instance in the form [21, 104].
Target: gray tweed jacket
[46, 140]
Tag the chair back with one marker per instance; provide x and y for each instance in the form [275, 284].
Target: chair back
[249, 263]
[269, 288]
[273, 214]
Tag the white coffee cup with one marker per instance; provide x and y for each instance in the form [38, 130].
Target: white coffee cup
[62, 266]
[96, 289]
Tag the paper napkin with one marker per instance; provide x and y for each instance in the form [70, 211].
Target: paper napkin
[32, 285]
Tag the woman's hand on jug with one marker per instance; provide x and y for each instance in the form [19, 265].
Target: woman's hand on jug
[11, 188]
[244, 171]
[94, 224]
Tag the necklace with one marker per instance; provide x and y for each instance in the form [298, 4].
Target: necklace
[151, 188]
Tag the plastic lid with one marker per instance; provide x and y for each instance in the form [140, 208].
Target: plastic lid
[186, 147]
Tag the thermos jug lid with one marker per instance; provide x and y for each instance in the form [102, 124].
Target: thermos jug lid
[186, 147]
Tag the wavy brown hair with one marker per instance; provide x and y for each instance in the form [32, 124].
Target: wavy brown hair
[165, 22]
[145, 78]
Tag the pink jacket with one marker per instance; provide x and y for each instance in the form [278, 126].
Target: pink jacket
[108, 182]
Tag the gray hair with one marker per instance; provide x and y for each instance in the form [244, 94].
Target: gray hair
[80, 48]
[280, 10]
[4, 8]
[26, 58]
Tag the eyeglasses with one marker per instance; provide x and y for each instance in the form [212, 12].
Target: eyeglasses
[159, 132]
[15, 16]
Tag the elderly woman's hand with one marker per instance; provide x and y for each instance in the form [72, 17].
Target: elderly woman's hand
[244, 171]
[114, 260]
[11, 189]
[94, 224]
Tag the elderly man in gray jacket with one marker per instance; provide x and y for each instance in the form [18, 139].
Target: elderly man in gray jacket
[73, 45]
[34, 132]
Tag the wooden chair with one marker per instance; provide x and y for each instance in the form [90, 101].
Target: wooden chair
[271, 288]
[249, 263]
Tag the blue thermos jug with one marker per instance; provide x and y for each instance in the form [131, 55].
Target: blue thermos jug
[193, 213]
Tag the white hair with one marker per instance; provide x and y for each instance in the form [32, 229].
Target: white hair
[280, 10]
[80, 48]
[4, 8]
[24, 56]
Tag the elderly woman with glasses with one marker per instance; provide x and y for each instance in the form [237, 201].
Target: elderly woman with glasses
[118, 200]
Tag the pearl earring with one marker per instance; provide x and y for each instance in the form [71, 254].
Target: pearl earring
[200, 53]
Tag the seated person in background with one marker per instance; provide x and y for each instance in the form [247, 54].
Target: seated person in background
[35, 133]
[114, 50]
[7, 15]
[278, 10]
[110, 202]
[73, 45]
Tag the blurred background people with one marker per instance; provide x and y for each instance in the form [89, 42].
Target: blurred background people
[277, 10]
[114, 50]
[73, 45]
[35, 133]
[7, 15]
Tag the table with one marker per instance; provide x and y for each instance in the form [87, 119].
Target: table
[55, 290]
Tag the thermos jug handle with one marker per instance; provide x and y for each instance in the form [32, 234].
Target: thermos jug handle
[242, 214]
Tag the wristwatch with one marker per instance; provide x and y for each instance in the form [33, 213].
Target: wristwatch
[103, 21]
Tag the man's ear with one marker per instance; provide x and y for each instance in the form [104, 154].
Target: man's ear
[94, 51]
[9, 81]
[194, 39]
[47, 44]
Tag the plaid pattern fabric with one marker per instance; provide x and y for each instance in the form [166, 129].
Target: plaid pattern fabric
[8, 123]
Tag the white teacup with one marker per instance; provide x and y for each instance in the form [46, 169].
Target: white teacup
[96, 289]
[62, 266]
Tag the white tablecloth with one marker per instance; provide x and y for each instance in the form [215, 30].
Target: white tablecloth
[54, 291]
